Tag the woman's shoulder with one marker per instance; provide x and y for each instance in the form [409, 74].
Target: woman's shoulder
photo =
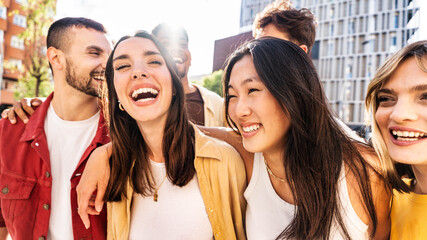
[369, 155]
[215, 153]
[212, 147]
[379, 189]
[372, 165]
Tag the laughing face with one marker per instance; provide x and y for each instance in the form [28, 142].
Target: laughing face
[259, 117]
[142, 80]
[402, 113]
[177, 45]
[86, 59]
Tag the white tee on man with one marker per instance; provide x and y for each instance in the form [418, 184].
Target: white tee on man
[67, 141]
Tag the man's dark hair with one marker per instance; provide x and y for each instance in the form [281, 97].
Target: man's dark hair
[170, 30]
[57, 37]
[299, 24]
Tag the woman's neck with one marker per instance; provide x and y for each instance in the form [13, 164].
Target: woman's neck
[153, 137]
[420, 172]
[275, 161]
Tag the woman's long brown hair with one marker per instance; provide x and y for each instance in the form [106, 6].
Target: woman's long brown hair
[129, 160]
[316, 147]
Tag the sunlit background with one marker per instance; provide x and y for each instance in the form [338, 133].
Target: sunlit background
[205, 20]
[353, 38]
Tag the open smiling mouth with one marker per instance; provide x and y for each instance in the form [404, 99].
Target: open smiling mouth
[251, 128]
[99, 76]
[178, 60]
[144, 94]
[408, 136]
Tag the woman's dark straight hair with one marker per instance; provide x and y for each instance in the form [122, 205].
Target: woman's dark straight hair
[129, 160]
[316, 146]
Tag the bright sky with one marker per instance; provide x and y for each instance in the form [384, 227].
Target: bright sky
[205, 20]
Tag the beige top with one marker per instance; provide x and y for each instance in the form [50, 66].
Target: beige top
[212, 107]
[222, 180]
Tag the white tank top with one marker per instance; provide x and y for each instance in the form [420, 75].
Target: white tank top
[267, 215]
[179, 212]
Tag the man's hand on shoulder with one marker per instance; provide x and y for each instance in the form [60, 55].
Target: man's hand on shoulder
[21, 109]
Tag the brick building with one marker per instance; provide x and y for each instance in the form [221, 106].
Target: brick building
[12, 49]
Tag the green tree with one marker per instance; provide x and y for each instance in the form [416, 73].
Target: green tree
[213, 82]
[36, 82]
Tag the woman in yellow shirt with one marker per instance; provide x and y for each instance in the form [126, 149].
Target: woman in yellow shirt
[294, 149]
[397, 99]
[168, 180]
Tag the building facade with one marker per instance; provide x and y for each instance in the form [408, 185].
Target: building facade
[226, 46]
[248, 10]
[12, 49]
[353, 38]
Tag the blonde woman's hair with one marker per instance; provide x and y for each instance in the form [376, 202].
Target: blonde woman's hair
[393, 171]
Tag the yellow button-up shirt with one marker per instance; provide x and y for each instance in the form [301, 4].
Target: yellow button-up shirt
[222, 180]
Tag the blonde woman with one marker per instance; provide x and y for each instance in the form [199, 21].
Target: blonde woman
[397, 99]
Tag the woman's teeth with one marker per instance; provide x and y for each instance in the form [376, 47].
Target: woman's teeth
[407, 135]
[144, 94]
[251, 128]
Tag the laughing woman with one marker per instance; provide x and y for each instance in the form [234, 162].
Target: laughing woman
[168, 180]
[397, 99]
[307, 178]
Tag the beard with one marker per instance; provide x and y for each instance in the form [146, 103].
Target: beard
[80, 83]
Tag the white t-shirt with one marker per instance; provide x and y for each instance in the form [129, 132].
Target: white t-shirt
[267, 215]
[179, 212]
[67, 141]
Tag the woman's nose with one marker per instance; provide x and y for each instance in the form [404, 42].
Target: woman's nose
[404, 110]
[139, 73]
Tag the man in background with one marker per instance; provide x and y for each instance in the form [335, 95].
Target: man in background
[204, 107]
[281, 20]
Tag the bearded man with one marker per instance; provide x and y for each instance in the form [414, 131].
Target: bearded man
[41, 163]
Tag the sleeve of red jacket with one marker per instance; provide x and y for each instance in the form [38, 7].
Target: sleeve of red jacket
[2, 223]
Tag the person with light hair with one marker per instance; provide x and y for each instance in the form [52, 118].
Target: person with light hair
[397, 101]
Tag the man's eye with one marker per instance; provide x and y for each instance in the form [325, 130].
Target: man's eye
[94, 53]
